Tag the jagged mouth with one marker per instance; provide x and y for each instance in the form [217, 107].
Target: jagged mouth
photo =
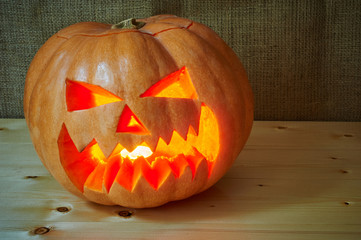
[91, 169]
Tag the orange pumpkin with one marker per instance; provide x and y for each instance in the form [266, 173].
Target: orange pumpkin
[139, 113]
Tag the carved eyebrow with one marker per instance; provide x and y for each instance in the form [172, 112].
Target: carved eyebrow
[81, 95]
[175, 85]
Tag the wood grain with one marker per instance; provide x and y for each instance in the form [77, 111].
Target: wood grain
[293, 180]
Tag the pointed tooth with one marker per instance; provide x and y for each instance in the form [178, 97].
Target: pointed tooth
[173, 145]
[79, 171]
[195, 127]
[182, 132]
[131, 141]
[167, 137]
[138, 169]
[94, 189]
[160, 171]
[106, 145]
[178, 136]
[202, 172]
[144, 170]
[155, 197]
[95, 179]
[111, 171]
[167, 132]
[190, 113]
[178, 144]
[178, 164]
[118, 148]
[192, 137]
[161, 148]
[154, 173]
[210, 168]
[125, 174]
[152, 145]
[129, 150]
[93, 151]
[194, 162]
[191, 131]
[90, 145]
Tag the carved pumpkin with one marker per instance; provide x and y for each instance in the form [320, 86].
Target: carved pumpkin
[140, 113]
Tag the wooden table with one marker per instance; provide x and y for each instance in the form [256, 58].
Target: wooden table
[293, 180]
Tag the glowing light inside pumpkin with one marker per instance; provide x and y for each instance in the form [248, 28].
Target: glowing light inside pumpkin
[90, 168]
[129, 123]
[176, 85]
[132, 122]
[140, 151]
[81, 95]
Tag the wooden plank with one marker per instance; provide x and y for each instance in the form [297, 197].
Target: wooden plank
[248, 205]
[14, 131]
[305, 135]
[293, 180]
[126, 230]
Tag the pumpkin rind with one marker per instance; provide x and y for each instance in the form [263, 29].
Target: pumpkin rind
[126, 62]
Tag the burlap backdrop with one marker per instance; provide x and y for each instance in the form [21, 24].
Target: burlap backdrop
[302, 57]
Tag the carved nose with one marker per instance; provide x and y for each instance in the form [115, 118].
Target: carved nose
[129, 123]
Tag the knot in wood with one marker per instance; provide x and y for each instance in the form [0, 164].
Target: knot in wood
[125, 213]
[41, 230]
[63, 209]
[31, 176]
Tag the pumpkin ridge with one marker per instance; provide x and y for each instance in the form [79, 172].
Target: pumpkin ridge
[58, 36]
[30, 94]
[164, 30]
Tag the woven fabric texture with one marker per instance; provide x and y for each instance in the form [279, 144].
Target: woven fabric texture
[302, 57]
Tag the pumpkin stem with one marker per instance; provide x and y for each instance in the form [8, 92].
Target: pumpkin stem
[130, 23]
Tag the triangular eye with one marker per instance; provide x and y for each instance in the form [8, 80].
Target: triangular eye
[129, 123]
[176, 85]
[81, 95]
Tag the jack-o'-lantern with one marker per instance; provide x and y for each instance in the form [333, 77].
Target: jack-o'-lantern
[139, 113]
